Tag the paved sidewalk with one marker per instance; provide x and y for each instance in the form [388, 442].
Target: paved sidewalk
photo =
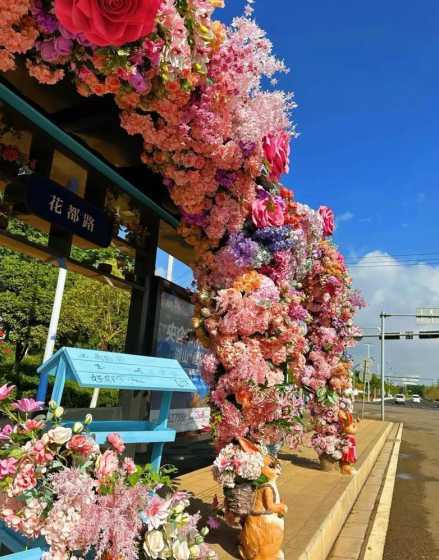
[364, 532]
[318, 502]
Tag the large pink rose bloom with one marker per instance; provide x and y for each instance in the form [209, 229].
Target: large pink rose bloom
[108, 22]
[277, 153]
[328, 220]
[268, 211]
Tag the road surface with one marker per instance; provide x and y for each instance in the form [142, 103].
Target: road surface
[414, 520]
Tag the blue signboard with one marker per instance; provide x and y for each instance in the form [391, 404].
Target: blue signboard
[60, 206]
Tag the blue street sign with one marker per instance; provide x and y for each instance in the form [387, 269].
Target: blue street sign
[62, 207]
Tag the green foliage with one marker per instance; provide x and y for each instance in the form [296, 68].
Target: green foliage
[26, 295]
[94, 315]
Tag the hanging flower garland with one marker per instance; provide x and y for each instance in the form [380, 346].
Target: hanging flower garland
[192, 88]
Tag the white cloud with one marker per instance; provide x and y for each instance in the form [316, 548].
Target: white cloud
[389, 285]
[345, 217]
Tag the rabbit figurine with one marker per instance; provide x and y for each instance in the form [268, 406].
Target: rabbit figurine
[350, 455]
[263, 531]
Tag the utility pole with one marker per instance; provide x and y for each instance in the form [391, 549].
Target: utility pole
[366, 363]
[383, 363]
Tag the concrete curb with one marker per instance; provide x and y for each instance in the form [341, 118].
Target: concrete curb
[320, 546]
[374, 549]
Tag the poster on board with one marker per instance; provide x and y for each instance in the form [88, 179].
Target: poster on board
[172, 339]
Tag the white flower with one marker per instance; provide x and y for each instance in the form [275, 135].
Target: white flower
[153, 544]
[59, 435]
[179, 508]
[59, 411]
[181, 550]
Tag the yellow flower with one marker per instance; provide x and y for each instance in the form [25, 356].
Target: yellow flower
[248, 282]
[217, 3]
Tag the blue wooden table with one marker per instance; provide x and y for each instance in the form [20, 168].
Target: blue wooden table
[109, 370]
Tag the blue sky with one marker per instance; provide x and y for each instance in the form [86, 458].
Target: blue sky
[366, 79]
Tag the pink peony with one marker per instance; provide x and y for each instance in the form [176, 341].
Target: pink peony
[6, 390]
[107, 464]
[268, 211]
[108, 22]
[7, 467]
[81, 445]
[328, 220]
[277, 153]
[116, 442]
[28, 405]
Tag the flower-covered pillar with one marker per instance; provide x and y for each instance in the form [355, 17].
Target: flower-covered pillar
[332, 303]
[192, 89]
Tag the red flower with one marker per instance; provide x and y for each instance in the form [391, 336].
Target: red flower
[328, 220]
[108, 22]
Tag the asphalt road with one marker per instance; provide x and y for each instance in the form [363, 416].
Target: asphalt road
[414, 521]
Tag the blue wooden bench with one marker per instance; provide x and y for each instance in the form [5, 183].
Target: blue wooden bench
[109, 370]
[32, 554]
[18, 544]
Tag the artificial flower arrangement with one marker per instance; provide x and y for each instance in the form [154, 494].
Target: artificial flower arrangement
[56, 483]
[274, 302]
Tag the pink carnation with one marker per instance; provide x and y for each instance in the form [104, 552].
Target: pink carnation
[107, 464]
[25, 479]
[116, 442]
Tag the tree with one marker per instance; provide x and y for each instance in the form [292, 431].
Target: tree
[94, 315]
[26, 295]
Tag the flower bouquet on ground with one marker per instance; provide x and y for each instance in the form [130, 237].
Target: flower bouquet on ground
[238, 472]
[56, 483]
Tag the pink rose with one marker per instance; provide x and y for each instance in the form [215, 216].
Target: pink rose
[116, 442]
[7, 467]
[277, 153]
[28, 405]
[328, 220]
[107, 464]
[268, 211]
[5, 391]
[81, 445]
[108, 22]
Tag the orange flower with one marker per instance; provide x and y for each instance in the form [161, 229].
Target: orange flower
[248, 282]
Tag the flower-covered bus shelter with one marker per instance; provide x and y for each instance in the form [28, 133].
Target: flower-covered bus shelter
[66, 140]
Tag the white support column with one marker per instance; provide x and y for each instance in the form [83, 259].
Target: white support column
[56, 310]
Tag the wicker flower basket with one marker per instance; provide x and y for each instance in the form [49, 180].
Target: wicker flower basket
[239, 500]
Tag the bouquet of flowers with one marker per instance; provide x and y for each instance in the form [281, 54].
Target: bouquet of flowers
[56, 483]
[234, 466]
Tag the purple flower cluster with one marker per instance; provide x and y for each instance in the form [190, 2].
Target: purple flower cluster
[276, 238]
[225, 178]
[248, 148]
[244, 249]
